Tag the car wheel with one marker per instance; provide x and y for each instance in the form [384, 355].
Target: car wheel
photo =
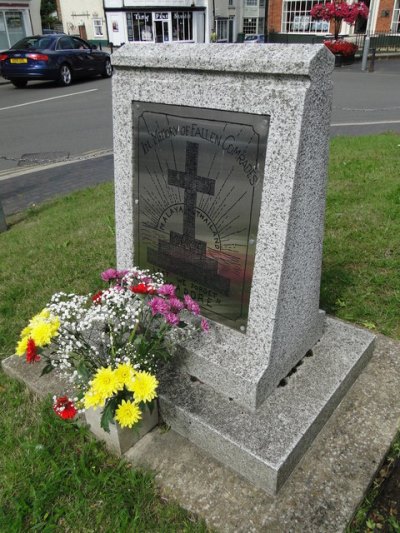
[65, 75]
[19, 84]
[107, 70]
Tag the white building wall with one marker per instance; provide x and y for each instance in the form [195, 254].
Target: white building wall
[75, 13]
[36, 21]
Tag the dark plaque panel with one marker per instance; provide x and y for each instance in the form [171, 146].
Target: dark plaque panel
[199, 179]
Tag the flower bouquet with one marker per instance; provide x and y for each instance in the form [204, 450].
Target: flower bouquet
[110, 344]
[339, 11]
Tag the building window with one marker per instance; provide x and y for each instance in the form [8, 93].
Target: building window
[182, 26]
[296, 18]
[249, 26]
[230, 3]
[222, 29]
[396, 18]
[262, 3]
[12, 28]
[251, 2]
[98, 27]
[140, 26]
[261, 25]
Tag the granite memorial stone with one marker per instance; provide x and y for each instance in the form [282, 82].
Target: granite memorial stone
[220, 171]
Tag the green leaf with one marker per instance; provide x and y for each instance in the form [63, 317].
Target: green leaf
[47, 369]
[107, 416]
[83, 370]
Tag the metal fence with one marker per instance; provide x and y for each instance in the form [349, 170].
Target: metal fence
[386, 43]
[380, 42]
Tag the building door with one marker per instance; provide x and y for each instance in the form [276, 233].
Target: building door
[230, 30]
[161, 27]
[82, 32]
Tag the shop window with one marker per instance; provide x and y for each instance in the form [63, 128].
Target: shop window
[139, 25]
[15, 26]
[222, 29]
[396, 18]
[250, 26]
[98, 27]
[296, 18]
[182, 26]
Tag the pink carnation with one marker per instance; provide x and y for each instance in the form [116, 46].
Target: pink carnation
[167, 290]
[172, 319]
[109, 274]
[159, 306]
[205, 326]
[191, 305]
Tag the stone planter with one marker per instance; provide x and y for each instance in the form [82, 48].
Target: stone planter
[120, 440]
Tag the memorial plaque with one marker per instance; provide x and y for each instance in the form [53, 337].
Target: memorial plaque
[199, 184]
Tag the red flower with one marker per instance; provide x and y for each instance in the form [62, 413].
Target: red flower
[96, 298]
[64, 408]
[142, 288]
[31, 353]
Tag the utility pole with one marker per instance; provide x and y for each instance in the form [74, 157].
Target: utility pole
[367, 40]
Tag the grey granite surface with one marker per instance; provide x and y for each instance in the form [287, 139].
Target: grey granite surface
[264, 446]
[286, 59]
[284, 320]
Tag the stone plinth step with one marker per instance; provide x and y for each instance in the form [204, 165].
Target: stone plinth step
[265, 446]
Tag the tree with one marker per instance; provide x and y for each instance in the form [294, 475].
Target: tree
[339, 11]
[47, 10]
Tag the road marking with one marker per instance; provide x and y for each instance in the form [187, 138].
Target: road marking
[47, 99]
[365, 123]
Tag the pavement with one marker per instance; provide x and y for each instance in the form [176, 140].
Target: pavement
[21, 189]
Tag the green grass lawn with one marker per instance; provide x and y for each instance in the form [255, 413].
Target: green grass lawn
[53, 476]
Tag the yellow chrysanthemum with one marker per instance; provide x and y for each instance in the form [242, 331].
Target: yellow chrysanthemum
[55, 325]
[44, 313]
[41, 333]
[93, 399]
[105, 382]
[21, 346]
[127, 414]
[144, 387]
[26, 332]
[124, 374]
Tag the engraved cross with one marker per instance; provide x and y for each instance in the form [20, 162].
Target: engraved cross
[192, 184]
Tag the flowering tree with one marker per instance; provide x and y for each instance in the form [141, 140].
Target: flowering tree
[339, 11]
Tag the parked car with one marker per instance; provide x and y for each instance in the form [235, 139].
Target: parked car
[57, 57]
[254, 38]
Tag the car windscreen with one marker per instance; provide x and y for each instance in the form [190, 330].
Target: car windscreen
[37, 43]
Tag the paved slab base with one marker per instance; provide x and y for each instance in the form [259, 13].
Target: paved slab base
[323, 491]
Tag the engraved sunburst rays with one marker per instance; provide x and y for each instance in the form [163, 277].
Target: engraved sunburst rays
[161, 147]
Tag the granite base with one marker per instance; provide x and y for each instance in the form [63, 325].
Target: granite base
[265, 446]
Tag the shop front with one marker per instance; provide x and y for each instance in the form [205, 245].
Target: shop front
[169, 24]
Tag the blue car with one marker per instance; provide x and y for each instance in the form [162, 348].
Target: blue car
[56, 57]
